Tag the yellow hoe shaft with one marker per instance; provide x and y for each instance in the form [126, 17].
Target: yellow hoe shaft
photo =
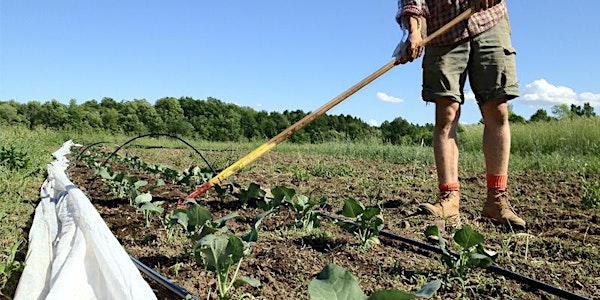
[256, 153]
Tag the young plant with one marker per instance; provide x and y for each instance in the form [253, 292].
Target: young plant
[471, 253]
[335, 282]
[253, 192]
[308, 216]
[144, 203]
[193, 176]
[590, 194]
[367, 222]
[219, 254]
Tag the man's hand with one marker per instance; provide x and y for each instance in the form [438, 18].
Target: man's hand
[480, 5]
[412, 48]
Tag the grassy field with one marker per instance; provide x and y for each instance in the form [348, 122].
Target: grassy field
[566, 145]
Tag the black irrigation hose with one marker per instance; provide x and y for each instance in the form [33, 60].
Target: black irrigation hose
[179, 291]
[212, 169]
[161, 134]
[554, 290]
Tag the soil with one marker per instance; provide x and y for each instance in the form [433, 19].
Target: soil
[561, 245]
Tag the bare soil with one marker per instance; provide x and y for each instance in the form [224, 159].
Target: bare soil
[561, 245]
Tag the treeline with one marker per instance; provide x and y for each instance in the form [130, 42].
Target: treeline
[214, 120]
[209, 119]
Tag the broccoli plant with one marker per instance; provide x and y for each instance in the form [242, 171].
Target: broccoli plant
[335, 282]
[471, 253]
[143, 202]
[220, 254]
[307, 214]
[253, 192]
[367, 221]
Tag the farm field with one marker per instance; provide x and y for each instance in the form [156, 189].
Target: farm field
[560, 247]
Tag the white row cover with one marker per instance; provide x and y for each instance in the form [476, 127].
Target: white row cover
[72, 253]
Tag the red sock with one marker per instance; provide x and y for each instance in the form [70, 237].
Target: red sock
[496, 181]
[447, 187]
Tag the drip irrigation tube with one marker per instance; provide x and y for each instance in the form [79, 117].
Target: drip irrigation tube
[93, 180]
[167, 135]
[179, 291]
[554, 290]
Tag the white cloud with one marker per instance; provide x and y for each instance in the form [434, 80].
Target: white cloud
[259, 105]
[470, 96]
[543, 93]
[373, 122]
[387, 98]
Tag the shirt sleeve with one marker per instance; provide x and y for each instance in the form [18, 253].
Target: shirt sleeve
[408, 8]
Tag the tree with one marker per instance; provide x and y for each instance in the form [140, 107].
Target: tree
[171, 112]
[539, 116]
[9, 113]
[32, 113]
[586, 111]
[562, 111]
[397, 132]
[55, 114]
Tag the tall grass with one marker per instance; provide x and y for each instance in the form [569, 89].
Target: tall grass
[568, 144]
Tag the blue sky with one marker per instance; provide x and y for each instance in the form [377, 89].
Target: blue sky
[272, 55]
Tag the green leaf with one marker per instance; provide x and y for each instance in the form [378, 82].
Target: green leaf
[370, 212]
[432, 231]
[466, 237]
[352, 208]
[251, 281]
[235, 248]
[214, 251]
[153, 207]
[391, 295]
[180, 217]
[140, 183]
[143, 198]
[104, 174]
[282, 192]
[198, 216]
[220, 222]
[429, 289]
[335, 282]
[480, 260]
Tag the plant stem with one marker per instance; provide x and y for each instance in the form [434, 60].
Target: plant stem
[237, 268]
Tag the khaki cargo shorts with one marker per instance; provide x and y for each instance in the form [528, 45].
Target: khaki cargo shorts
[488, 59]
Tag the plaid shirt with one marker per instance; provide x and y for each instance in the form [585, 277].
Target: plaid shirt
[439, 12]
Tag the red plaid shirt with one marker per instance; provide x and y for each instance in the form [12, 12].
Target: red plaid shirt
[439, 12]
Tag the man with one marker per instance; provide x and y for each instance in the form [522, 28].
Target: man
[480, 49]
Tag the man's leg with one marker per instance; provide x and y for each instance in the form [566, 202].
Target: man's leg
[496, 150]
[445, 141]
[496, 136]
[445, 149]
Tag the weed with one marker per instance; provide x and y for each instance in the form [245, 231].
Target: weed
[13, 159]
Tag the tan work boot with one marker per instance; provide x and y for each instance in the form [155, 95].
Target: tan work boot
[498, 209]
[446, 206]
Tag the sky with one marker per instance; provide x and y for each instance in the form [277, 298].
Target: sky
[273, 55]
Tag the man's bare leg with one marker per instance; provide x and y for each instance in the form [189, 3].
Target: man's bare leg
[496, 149]
[445, 140]
[445, 145]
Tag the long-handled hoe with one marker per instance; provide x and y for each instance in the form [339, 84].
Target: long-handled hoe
[250, 157]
